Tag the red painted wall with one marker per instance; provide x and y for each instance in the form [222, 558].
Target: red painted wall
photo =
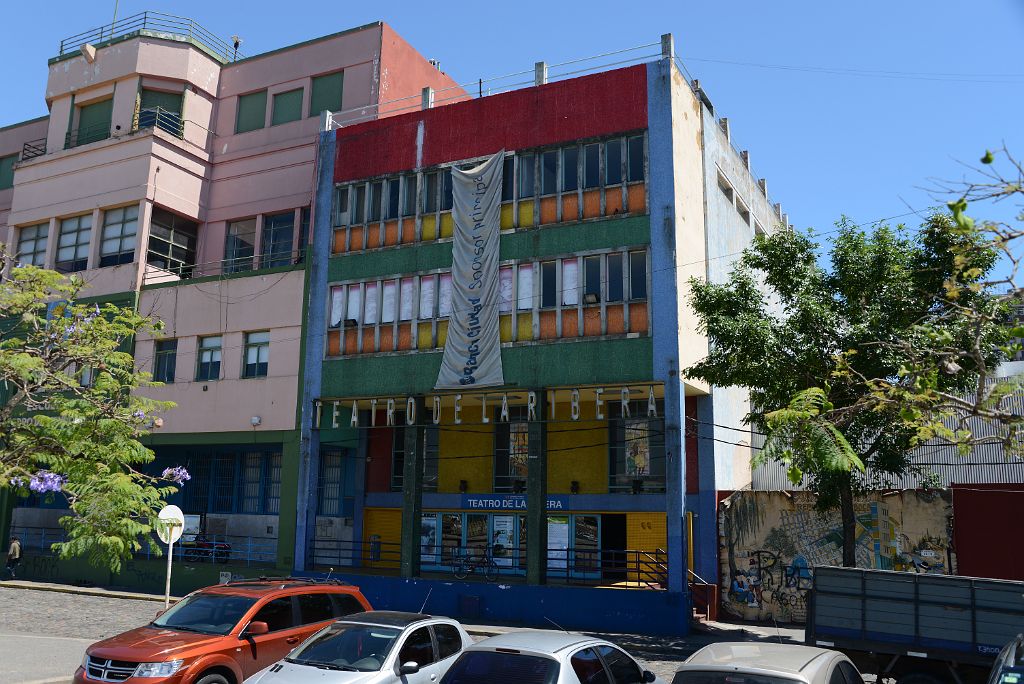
[405, 73]
[584, 107]
[378, 450]
[986, 530]
[692, 459]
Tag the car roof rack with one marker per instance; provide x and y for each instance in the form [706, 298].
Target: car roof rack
[290, 580]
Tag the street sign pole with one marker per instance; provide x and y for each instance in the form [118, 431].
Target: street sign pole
[167, 586]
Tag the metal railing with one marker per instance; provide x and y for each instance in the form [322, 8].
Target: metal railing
[237, 550]
[33, 149]
[250, 264]
[158, 117]
[154, 23]
[84, 136]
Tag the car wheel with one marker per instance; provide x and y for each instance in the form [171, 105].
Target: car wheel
[213, 678]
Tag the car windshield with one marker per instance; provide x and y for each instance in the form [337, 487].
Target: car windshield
[501, 668]
[205, 613]
[347, 646]
[716, 677]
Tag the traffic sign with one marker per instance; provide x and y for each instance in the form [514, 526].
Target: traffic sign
[170, 522]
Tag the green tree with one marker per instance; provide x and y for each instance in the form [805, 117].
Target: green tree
[804, 338]
[72, 416]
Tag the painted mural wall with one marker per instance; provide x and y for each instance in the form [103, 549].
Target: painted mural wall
[770, 543]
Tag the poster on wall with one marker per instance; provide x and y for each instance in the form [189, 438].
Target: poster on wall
[429, 553]
[558, 542]
[503, 536]
[472, 350]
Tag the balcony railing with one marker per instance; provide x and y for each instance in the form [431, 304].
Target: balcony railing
[154, 23]
[33, 149]
[84, 136]
[158, 117]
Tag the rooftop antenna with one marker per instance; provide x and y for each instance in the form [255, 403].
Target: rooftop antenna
[112, 21]
[556, 624]
[237, 41]
[329, 574]
[426, 599]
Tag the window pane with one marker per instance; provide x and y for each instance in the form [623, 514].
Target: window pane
[326, 93]
[277, 614]
[636, 158]
[570, 282]
[570, 170]
[7, 171]
[358, 211]
[508, 179]
[355, 301]
[286, 107]
[525, 289]
[549, 173]
[389, 303]
[446, 190]
[638, 275]
[315, 608]
[393, 186]
[613, 162]
[592, 276]
[406, 297]
[444, 295]
[252, 112]
[370, 304]
[376, 194]
[418, 648]
[430, 193]
[427, 285]
[591, 166]
[615, 277]
[505, 289]
[449, 641]
[337, 304]
[32, 245]
[548, 284]
[340, 206]
[276, 248]
[409, 199]
[527, 174]
[240, 245]
[624, 670]
[588, 667]
[165, 360]
[502, 668]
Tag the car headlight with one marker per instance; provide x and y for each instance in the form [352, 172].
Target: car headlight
[85, 660]
[164, 669]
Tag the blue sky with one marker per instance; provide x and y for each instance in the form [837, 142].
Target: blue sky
[802, 82]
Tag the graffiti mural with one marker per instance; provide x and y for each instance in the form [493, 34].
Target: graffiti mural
[772, 541]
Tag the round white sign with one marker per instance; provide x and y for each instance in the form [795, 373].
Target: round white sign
[170, 523]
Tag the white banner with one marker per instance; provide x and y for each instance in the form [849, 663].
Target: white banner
[472, 350]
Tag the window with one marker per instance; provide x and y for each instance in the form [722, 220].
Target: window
[252, 112]
[836, 676]
[591, 279]
[623, 668]
[315, 608]
[570, 168]
[850, 673]
[447, 195]
[431, 455]
[229, 479]
[613, 162]
[73, 244]
[418, 648]
[527, 175]
[389, 301]
[257, 354]
[636, 449]
[743, 211]
[511, 452]
[449, 641]
[172, 242]
[591, 166]
[725, 187]
[276, 246]
[427, 287]
[118, 237]
[444, 295]
[570, 282]
[474, 667]
[508, 178]
[394, 185]
[329, 484]
[160, 109]
[505, 275]
[638, 275]
[32, 245]
[588, 667]
[549, 172]
[286, 107]
[370, 304]
[340, 207]
[635, 150]
[358, 211]
[305, 216]
[406, 296]
[208, 365]
[409, 198]
[7, 171]
[376, 192]
[430, 193]
[93, 123]
[240, 246]
[345, 604]
[548, 284]
[614, 277]
[277, 614]
[525, 288]
[272, 485]
[326, 93]
[165, 357]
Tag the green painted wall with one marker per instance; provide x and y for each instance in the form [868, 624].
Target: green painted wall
[538, 365]
[520, 246]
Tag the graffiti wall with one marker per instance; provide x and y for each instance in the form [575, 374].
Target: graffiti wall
[771, 542]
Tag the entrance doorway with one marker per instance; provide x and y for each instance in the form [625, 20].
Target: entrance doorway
[613, 544]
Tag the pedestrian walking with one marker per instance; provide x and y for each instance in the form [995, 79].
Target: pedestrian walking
[13, 555]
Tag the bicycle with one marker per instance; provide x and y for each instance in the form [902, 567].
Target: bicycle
[466, 565]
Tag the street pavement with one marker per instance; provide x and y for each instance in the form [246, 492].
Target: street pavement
[44, 633]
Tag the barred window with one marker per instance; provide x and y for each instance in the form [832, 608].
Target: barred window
[32, 245]
[73, 244]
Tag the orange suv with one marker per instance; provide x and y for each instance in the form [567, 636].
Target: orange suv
[221, 634]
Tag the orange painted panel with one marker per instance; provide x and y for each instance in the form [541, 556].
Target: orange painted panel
[637, 198]
[570, 323]
[404, 336]
[351, 341]
[616, 319]
[355, 242]
[372, 235]
[387, 338]
[368, 341]
[548, 325]
[591, 321]
[570, 207]
[408, 230]
[333, 342]
[613, 201]
[638, 317]
[338, 246]
[592, 203]
[548, 210]
[391, 233]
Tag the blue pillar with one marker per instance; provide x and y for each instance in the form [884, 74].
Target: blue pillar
[314, 336]
[706, 527]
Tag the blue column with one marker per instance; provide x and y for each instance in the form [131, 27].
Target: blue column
[314, 336]
[706, 527]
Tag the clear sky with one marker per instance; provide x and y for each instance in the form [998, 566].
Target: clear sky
[847, 108]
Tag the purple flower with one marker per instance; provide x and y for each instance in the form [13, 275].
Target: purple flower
[139, 415]
[45, 481]
[176, 474]
[17, 482]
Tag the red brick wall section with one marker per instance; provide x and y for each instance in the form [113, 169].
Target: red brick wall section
[589, 106]
[986, 530]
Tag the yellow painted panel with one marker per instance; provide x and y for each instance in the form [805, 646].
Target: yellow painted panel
[428, 228]
[507, 216]
[442, 332]
[423, 339]
[447, 225]
[526, 213]
[525, 330]
[567, 461]
[387, 524]
[505, 325]
[646, 531]
[457, 445]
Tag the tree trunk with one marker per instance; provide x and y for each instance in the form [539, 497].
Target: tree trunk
[849, 524]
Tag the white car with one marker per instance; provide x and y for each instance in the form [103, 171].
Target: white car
[766, 663]
[376, 647]
[546, 657]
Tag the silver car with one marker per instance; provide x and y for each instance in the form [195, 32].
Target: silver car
[745, 662]
[545, 657]
[376, 647]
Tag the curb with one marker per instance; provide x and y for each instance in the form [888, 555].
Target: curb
[84, 591]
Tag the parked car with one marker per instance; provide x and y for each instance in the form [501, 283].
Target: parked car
[222, 634]
[378, 647]
[1009, 666]
[746, 662]
[546, 657]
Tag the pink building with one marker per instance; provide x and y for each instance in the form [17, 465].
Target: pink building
[173, 176]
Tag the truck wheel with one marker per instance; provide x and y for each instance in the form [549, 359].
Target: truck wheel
[919, 678]
[213, 678]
